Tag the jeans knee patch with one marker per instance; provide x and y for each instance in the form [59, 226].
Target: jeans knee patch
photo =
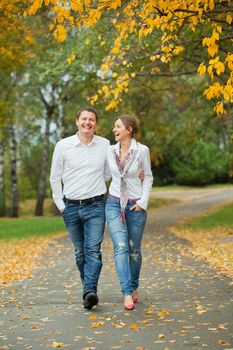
[121, 248]
[135, 254]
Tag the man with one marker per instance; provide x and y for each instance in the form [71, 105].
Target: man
[78, 184]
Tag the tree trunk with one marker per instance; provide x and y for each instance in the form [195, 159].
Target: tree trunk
[60, 120]
[2, 182]
[14, 191]
[44, 168]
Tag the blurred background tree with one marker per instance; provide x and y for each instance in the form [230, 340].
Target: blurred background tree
[45, 81]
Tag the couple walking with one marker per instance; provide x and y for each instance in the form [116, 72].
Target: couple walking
[81, 164]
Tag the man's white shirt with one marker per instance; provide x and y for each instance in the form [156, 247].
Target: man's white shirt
[79, 171]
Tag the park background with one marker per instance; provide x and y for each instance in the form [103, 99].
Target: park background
[169, 63]
[173, 73]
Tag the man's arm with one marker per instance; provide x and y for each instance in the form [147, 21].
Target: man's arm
[56, 173]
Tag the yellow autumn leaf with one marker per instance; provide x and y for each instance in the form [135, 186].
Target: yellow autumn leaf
[219, 109]
[93, 317]
[76, 5]
[223, 342]
[229, 60]
[202, 69]
[118, 325]
[60, 33]
[212, 49]
[228, 93]
[220, 68]
[215, 36]
[163, 313]
[229, 19]
[112, 105]
[133, 326]
[114, 4]
[97, 324]
[94, 15]
[214, 90]
[56, 345]
[178, 49]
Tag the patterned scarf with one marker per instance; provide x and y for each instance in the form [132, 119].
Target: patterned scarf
[124, 168]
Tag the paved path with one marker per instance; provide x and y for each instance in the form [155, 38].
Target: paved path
[184, 304]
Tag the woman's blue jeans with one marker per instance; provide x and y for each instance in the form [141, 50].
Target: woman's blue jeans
[126, 237]
[85, 224]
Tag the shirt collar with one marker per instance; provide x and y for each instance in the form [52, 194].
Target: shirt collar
[77, 141]
[133, 145]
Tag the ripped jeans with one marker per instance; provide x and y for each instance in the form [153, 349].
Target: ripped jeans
[126, 237]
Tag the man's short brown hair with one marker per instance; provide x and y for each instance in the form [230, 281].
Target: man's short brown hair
[87, 109]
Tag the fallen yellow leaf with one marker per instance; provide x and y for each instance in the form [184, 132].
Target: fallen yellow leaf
[56, 345]
[223, 342]
[97, 324]
[93, 317]
[133, 326]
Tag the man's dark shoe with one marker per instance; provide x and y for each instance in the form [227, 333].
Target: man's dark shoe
[91, 299]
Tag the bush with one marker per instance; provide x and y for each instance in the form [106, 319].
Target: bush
[200, 164]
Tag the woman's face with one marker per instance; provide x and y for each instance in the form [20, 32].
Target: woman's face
[121, 132]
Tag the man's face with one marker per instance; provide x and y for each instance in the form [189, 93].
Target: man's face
[86, 123]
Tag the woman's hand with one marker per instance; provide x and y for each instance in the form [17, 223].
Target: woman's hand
[136, 207]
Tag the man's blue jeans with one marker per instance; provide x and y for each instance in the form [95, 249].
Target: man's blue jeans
[126, 237]
[85, 224]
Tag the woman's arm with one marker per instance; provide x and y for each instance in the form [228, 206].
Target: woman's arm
[148, 178]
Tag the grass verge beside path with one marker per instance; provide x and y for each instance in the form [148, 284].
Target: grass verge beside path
[211, 236]
[32, 226]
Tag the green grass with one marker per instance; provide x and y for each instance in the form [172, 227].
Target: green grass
[28, 226]
[221, 217]
[160, 202]
[22, 227]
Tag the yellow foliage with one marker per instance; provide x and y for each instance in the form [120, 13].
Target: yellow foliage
[229, 60]
[229, 19]
[76, 5]
[219, 108]
[214, 90]
[60, 33]
[141, 19]
[71, 59]
[202, 69]
[36, 5]
[94, 15]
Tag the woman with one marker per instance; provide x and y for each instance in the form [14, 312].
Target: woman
[127, 203]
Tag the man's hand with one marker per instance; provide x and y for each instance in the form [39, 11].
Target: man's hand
[141, 175]
[61, 211]
[136, 207]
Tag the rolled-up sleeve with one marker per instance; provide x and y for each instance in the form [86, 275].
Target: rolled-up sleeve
[148, 178]
[56, 176]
